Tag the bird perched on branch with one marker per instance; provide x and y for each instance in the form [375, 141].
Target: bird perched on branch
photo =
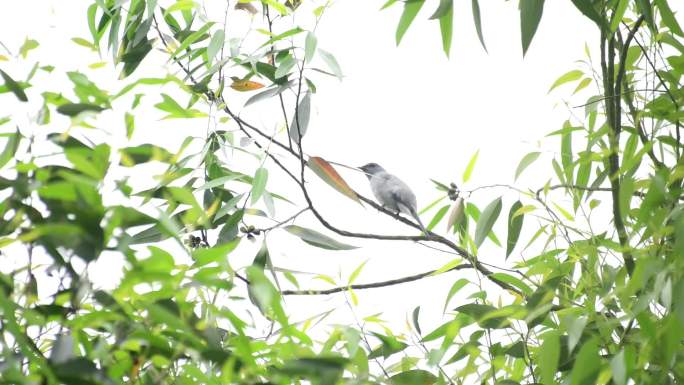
[391, 192]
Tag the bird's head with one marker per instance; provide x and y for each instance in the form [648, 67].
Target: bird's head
[371, 169]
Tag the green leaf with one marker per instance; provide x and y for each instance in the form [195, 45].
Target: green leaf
[389, 346]
[413, 377]
[458, 285]
[566, 156]
[193, 37]
[317, 239]
[471, 164]
[332, 63]
[644, 8]
[566, 78]
[215, 45]
[587, 8]
[514, 281]
[446, 27]
[10, 148]
[129, 121]
[487, 220]
[288, 33]
[478, 22]
[175, 110]
[445, 7]
[548, 357]
[587, 364]
[300, 120]
[356, 273]
[13, 86]
[524, 162]
[285, 66]
[668, 17]
[28, 45]
[414, 316]
[618, 14]
[411, 9]
[73, 109]
[438, 217]
[515, 223]
[259, 184]
[530, 15]
[309, 47]
[216, 254]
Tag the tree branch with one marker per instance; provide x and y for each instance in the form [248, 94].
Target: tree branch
[374, 285]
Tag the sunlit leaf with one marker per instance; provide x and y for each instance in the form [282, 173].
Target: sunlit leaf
[471, 165]
[411, 9]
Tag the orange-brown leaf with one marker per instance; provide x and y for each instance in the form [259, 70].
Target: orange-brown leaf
[330, 176]
[245, 85]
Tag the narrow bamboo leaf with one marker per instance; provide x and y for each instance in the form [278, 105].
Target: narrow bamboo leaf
[477, 18]
[618, 14]
[446, 28]
[668, 17]
[587, 8]
[438, 217]
[530, 15]
[582, 85]
[317, 239]
[411, 9]
[309, 47]
[415, 316]
[445, 6]
[193, 37]
[332, 63]
[300, 121]
[73, 109]
[487, 220]
[13, 86]
[215, 45]
[514, 281]
[524, 162]
[413, 377]
[259, 184]
[285, 66]
[471, 164]
[566, 156]
[587, 364]
[458, 285]
[10, 148]
[514, 226]
[327, 172]
[566, 78]
[288, 33]
[356, 272]
[549, 356]
[644, 8]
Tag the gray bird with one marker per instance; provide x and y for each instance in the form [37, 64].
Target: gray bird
[391, 192]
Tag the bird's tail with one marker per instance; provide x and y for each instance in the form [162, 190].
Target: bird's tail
[415, 216]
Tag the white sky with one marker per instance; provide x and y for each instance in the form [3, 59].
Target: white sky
[409, 108]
